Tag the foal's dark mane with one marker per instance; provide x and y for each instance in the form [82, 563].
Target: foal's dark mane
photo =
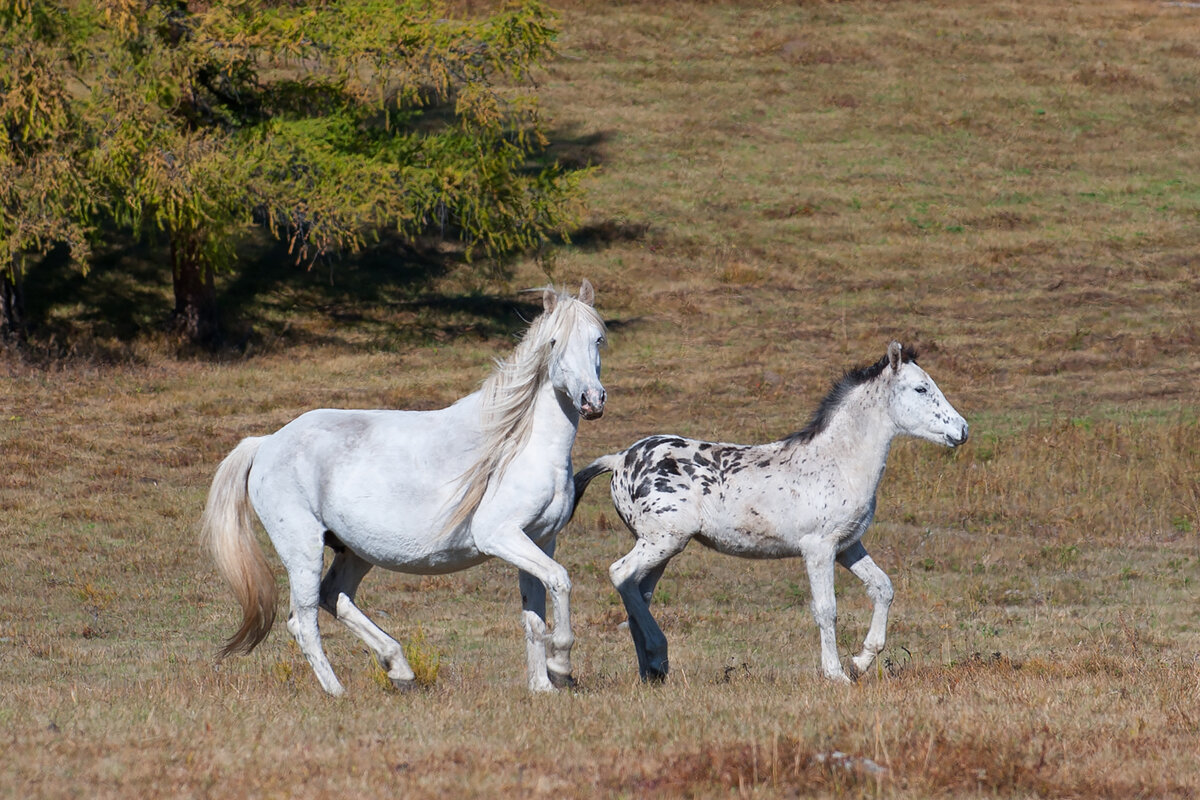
[841, 389]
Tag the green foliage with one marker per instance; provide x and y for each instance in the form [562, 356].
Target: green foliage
[328, 122]
[43, 191]
[424, 659]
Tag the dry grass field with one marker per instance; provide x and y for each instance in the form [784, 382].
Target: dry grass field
[779, 190]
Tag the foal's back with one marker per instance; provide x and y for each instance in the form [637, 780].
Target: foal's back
[744, 500]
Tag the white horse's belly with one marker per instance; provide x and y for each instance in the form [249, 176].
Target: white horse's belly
[384, 483]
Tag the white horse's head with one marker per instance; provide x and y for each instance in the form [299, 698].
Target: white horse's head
[575, 344]
[917, 405]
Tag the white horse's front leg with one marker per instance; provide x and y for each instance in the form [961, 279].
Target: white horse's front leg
[548, 658]
[879, 589]
[819, 562]
[533, 615]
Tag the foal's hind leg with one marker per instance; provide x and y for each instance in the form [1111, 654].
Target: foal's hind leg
[635, 576]
[879, 588]
[652, 668]
[337, 597]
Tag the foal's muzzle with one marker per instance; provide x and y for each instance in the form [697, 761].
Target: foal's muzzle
[591, 403]
[954, 441]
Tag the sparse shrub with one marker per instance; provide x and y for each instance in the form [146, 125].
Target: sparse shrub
[424, 658]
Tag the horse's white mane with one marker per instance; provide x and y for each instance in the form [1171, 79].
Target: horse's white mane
[508, 395]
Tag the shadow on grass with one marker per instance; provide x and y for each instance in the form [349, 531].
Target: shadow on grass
[125, 294]
[379, 298]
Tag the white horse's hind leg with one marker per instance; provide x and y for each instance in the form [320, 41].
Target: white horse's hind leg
[302, 623]
[879, 589]
[386, 649]
[509, 542]
[337, 597]
[297, 537]
[819, 563]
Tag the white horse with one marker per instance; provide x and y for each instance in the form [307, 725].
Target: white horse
[811, 494]
[423, 492]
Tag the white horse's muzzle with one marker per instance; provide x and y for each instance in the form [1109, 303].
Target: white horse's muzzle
[591, 403]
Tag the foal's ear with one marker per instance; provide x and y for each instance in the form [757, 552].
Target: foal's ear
[587, 295]
[894, 351]
[549, 299]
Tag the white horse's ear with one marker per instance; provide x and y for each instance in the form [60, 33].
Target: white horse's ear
[894, 350]
[587, 294]
[549, 299]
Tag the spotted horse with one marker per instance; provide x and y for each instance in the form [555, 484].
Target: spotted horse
[811, 494]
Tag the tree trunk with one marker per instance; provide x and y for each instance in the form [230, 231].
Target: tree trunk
[195, 314]
[12, 306]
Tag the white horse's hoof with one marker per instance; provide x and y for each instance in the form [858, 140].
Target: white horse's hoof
[404, 686]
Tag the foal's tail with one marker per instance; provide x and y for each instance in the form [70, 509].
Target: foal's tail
[227, 530]
[601, 465]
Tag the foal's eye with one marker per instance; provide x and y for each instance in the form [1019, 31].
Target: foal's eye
[922, 390]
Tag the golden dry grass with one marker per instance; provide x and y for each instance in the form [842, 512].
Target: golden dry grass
[780, 190]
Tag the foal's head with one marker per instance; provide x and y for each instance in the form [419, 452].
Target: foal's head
[916, 404]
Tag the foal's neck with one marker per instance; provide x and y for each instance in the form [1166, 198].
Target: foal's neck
[859, 436]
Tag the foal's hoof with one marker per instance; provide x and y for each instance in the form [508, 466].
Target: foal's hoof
[403, 686]
[655, 676]
[561, 681]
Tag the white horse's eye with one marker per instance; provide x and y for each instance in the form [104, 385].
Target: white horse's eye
[553, 342]
[922, 389]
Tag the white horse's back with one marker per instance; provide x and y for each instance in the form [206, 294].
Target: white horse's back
[379, 480]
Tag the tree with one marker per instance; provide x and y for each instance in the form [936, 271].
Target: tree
[44, 192]
[326, 122]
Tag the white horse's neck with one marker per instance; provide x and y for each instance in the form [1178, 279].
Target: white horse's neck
[555, 423]
[859, 436]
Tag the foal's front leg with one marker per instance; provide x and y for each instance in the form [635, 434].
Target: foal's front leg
[879, 589]
[819, 562]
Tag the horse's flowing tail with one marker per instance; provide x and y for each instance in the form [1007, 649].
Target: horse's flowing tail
[227, 530]
[598, 467]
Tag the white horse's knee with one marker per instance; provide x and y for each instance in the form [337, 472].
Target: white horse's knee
[560, 584]
[535, 627]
